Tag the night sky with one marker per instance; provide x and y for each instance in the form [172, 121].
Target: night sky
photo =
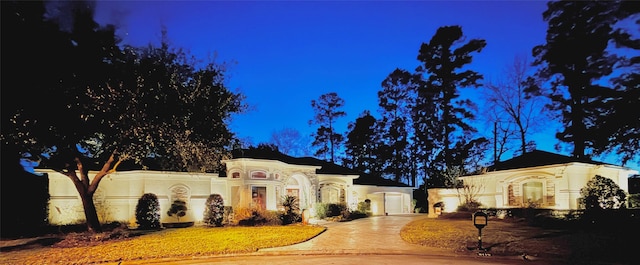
[283, 54]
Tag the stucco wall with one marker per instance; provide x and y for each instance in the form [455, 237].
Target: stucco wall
[118, 194]
[560, 185]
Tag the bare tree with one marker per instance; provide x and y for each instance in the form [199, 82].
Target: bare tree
[513, 111]
[290, 142]
[469, 191]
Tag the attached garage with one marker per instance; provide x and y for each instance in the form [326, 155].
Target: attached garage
[393, 203]
[386, 196]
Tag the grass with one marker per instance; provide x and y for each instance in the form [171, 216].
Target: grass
[570, 244]
[167, 243]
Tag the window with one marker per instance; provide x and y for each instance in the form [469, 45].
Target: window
[330, 194]
[258, 175]
[235, 175]
[293, 192]
[532, 193]
[259, 197]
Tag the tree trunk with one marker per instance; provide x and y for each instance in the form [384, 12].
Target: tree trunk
[523, 143]
[86, 189]
[90, 213]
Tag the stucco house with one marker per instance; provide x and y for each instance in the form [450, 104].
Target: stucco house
[538, 178]
[252, 179]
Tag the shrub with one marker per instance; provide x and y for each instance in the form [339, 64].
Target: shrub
[357, 215]
[365, 206]
[634, 200]
[291, 212]
[469, 206]
[336, 209]
[214, 210]
[179, 208]
[602, 193]
[339, 211]
[148, 212]
[255, 217]
[228, 215]
[321, 210]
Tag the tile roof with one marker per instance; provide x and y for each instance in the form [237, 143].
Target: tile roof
[538, 158]
[326, 167]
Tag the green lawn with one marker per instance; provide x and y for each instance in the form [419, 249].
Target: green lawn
[167, 243]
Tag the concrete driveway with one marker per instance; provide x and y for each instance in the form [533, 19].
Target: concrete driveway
[371, 235]
[374, 240]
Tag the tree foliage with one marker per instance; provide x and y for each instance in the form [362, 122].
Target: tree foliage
[116, 103]
[602, 193]
[362, 145]
[327, 109]
[440, 117]
[579, 61]
[396, 99]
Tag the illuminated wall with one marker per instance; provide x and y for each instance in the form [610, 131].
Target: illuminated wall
[548, 187]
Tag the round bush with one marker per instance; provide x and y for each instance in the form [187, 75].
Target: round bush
[214, 210]
[148, 212]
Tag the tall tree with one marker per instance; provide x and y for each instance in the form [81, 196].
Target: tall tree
[513, 111]
[618, 126]
[327, 110]
[362, 143]
[440, 117]
[121, 104]
[577, 60]
[396, 99]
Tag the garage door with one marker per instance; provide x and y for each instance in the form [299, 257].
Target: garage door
[393, 203]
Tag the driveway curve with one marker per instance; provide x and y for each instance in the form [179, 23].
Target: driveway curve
[371, 235]
[372, 240]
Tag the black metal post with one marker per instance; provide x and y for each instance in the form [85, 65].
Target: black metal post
[480, 239]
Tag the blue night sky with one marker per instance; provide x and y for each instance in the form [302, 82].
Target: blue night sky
[286, 53]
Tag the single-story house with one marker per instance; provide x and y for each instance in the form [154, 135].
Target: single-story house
[536, 179]
[252, 179]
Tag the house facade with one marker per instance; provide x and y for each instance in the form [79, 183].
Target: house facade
[251, 180]
[537, 179]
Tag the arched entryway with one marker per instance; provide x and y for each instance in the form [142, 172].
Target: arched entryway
[300, 186]
[530, 191]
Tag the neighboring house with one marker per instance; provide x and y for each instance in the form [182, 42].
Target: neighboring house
[253, 179]
[539, 179]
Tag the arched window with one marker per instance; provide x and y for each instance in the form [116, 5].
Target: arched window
[258, 175]
[331, 194]
[532, 193]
